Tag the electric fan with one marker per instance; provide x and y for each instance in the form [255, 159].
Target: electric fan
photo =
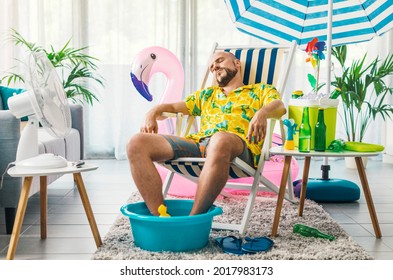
[45, 102]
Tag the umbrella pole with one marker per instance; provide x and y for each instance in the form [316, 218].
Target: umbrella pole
[329, 45]
[318, 185]
[325, 167]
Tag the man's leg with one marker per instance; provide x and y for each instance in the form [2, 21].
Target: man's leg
[142, 150]
[223, 147]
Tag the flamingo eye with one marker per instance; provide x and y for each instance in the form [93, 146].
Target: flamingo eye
[153, 56]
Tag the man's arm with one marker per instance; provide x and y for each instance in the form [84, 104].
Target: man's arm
[150, 125]
[258, 124]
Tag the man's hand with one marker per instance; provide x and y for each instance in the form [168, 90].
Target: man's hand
[257, 127]
[258, 124]
[150, 125]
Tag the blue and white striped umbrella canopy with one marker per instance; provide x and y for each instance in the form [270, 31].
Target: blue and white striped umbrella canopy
[282, 21]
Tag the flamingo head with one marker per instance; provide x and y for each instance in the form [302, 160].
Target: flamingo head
[150, 61]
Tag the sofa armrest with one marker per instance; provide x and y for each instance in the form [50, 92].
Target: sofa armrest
[9, 139]
[9, 136]
[78, 124]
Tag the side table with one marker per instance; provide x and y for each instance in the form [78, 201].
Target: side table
[279, 150]
[28, 174]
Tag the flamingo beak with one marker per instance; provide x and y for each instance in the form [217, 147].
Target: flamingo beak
[140, 75]
[141, 87]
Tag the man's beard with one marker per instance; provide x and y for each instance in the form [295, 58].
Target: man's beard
[225, 79]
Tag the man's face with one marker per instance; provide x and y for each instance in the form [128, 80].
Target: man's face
[223, 68]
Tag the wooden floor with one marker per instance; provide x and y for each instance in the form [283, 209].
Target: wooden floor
[108, 187]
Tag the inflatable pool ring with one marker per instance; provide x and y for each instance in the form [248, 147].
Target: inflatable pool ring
[157, 59]
[153, 60]
[363, 147]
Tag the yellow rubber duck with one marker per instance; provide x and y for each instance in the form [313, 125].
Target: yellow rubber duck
[162, 211]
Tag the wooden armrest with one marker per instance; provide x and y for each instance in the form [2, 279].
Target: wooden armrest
[180, 131]
[170, 115]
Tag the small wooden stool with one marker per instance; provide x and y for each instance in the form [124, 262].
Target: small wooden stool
[24, 196]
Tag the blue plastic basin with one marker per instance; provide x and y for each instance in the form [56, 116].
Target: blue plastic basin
[177, 233]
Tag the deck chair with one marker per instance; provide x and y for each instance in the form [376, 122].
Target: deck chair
[266, 63]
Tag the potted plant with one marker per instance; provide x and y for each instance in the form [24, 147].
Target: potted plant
[364, 92]
[76, 69]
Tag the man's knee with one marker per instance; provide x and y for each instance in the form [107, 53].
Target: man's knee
[220, 139]
[135, 145]
[225, 144]
[153, 146]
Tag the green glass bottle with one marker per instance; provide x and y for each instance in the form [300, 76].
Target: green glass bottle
[336, 93]
[337, 145]
[308, 231]
[320, 132]
[297, 94]
[305, 133]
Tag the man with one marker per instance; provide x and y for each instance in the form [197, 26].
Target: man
[233, 124]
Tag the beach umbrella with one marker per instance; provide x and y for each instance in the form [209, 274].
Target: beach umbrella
[337, 22]
[281, 21]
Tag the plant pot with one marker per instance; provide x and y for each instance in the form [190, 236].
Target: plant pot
[351, 163]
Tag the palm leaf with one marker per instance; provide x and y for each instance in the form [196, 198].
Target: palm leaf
[78, 70]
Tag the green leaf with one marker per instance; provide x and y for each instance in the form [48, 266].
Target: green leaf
[312, 80]
[78, 70]
[364, 93]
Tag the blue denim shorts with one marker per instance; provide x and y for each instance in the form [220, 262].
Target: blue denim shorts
[184, 147]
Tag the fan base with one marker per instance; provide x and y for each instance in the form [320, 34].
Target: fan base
[43, 161]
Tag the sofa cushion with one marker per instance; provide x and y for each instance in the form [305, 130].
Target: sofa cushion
[68, 147]
[5, 93]
[49, 144]
[72, 145]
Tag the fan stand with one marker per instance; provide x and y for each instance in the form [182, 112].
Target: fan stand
[28, 142]
[27, 153]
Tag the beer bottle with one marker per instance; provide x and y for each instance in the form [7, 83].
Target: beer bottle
[336, 93]
[337, 145]
[305, 133]
[320, 132]
[296, 94]
[311, 232]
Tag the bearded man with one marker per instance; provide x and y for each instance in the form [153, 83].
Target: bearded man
[233, 124]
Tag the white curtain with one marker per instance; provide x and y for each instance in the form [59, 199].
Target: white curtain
[114, 31]
[117, 30]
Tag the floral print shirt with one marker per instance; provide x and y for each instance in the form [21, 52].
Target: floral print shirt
[231, 113]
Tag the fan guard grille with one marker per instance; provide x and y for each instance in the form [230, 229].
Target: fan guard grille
[50, 104]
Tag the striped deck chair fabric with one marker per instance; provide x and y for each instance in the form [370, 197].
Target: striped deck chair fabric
[266, 67]
[269, 64]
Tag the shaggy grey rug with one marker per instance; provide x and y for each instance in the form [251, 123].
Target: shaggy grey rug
[118, 243]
